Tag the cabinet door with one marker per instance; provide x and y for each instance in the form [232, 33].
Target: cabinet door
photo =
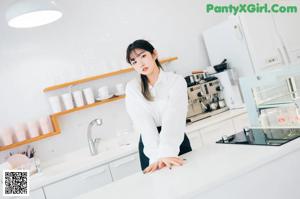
[125, 166]
[287, 26]
[263, 42]
[215, 132]
[195, 139]
[36, 194]
[241, 122]
[79, 184]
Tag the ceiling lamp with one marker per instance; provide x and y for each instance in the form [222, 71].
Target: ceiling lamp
[32, 13]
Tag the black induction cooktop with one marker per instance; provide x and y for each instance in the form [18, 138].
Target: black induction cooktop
[262, 136]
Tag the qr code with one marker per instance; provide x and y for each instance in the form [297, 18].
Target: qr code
[15, 183]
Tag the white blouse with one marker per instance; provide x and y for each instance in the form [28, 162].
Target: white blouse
[168, 110]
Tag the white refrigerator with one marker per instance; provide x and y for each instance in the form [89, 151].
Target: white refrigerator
[227, 40]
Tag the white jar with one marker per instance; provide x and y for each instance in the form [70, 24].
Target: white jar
[68, 101]
[46, 125]
[55, 104]
[78, 98]
[89, 95]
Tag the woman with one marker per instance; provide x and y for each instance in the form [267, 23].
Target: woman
[157, 104]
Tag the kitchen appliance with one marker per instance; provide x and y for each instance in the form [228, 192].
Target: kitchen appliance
[203, 98]
[262, 136]
[221, 67]
[222, 103]
[230, 88]
[189, 80]
[198, 77]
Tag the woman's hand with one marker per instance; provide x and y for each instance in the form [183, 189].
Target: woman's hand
[163, 162]
[153, 167]
[172, 161]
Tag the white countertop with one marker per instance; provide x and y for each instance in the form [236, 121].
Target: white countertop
[205, 168]
[81, 160]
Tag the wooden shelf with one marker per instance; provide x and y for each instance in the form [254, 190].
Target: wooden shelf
[87, 79]
[40, 137]
[115, 98]
[27, 141]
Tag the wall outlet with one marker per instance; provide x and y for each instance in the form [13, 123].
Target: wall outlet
[275, 60]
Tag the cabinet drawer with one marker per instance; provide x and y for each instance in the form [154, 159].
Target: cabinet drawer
[79, 184]
[215, 132]
[195, 139]
[125, 166]
[241, 122]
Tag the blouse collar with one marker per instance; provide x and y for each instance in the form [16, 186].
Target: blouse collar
[161, 77]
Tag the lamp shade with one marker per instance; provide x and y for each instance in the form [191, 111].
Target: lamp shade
[32, 13]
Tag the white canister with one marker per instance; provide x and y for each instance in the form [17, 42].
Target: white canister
[33, 129]
[89, 95]
[78, 98]
[120, 90]
[46, 125]
[20, 132]
[213, 106]
[103, 92]
[222, 103]
[6, 136]
[55, 104]
[68, 101]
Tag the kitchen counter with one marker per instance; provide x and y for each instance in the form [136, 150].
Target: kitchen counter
[81, 160]
[205, 169]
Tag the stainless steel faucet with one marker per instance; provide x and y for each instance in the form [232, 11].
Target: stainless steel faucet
[92, 142]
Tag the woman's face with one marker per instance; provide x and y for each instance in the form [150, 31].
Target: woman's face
[143, 61]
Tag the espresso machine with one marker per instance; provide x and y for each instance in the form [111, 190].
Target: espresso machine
[204, 97]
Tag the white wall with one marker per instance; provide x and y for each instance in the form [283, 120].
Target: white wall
[90, 39]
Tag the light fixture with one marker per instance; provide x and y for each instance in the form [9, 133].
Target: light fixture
[32, 13]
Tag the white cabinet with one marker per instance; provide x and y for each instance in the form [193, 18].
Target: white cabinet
[273, 39]
[195, 139]
[79, 184]
[35, 194]
[125, 166]
[263, 42]
[240, 122]
[288, 31]
[215, 132]
[255, 42]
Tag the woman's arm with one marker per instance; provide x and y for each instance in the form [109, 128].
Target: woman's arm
[143, 122]
[174, 120]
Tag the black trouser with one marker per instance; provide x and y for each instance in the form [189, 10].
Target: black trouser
[185, 147]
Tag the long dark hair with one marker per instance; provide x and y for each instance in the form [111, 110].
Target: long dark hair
[145, 45]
